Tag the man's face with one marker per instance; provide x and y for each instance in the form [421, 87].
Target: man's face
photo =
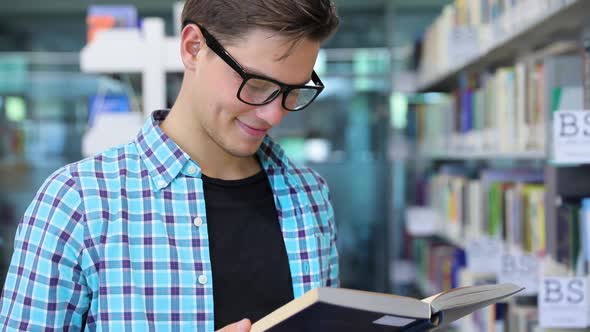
[236, 127]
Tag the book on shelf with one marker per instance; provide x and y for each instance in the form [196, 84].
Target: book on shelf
[504, 111]
[586, 64]
[342, 310]
[104, 17]
[568, 235]
[534, 234]
[467, 29]
[433, 259]
[523, 319]
[585, 232]
[505, 204]
[521, 206]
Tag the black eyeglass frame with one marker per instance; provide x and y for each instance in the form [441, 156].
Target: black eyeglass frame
[285, 89]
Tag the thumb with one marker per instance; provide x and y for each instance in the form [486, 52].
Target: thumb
[242, 326]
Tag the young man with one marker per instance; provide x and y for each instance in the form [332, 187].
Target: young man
[202, 220]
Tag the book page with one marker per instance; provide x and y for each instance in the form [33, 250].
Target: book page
[460, 302]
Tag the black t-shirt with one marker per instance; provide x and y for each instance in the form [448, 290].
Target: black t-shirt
[251, 275]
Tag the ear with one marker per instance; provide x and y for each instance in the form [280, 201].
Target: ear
[191, 44]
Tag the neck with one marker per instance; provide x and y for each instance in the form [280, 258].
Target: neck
[183, 127]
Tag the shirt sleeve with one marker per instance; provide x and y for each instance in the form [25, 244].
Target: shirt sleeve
[45, 287]
[334, 267]
[334, 274]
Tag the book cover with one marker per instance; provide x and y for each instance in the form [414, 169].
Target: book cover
[489, 177]
[495, 210]
[567, 235]
[474, 203]
[535, 218]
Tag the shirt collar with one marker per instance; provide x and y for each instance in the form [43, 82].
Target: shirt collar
[274, 161]
[164, 159]
[272, 157]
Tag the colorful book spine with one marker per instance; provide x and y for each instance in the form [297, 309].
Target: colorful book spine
[568, 238]
[586, 65]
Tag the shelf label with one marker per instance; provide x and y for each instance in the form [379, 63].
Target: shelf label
[563, 303]
[571, 137]
[484, 255]
[521, 270]
[422, 221]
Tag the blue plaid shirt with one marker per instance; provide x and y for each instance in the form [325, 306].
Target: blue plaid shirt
[120, 240]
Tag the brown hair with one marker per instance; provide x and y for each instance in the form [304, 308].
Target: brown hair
[231, 19]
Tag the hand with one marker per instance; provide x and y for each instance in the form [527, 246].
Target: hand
[242, 326]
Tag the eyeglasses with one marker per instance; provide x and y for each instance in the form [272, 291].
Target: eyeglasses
[258, 90]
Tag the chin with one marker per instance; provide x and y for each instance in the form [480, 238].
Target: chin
[234, 142]
[240, 145]
[244, 151]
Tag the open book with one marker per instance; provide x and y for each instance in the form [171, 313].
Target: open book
[343, 310]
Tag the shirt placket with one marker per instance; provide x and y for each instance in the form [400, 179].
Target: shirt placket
[193, 225]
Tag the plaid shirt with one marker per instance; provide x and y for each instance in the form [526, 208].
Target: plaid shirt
[120, 240]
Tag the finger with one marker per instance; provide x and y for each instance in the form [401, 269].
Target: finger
[242, 326]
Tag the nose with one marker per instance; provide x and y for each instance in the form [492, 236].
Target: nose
[272, 112]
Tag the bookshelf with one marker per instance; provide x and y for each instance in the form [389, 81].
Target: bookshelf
[484, 159]
[532, 33]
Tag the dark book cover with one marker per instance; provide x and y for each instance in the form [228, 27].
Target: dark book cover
[331, 318]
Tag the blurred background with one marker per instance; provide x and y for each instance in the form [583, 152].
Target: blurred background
[412, 89]
[54, 99]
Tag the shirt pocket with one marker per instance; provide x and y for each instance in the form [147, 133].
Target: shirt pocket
[321, 248]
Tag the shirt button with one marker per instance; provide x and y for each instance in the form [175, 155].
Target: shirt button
[161, 183]
[198, 222]
[192, 170]
[202, 279]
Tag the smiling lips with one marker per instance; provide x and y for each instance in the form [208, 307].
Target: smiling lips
[252, 131]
